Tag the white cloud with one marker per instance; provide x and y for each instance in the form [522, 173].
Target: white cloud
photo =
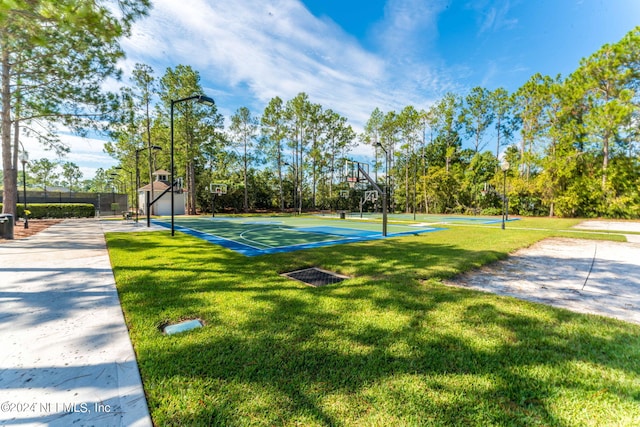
[248, 51]
[495, 18]
[408, 24]
[257, 49]
[87, 153]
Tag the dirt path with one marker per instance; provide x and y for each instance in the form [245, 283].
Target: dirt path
[596, 277]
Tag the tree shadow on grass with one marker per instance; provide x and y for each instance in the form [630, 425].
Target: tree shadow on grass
[304, 355]
[367, 351]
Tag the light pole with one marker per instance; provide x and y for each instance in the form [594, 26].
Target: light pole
[24, 159]
[202, 99]
[138, 151]
[384, 193]
[114, 180]
[505, 167]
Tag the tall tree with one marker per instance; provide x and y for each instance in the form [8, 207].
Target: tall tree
[409, 124]
[448, 125]
[54, 56]
[531, 100]
[145, 86]
[316, 128]
[371, 135]
[477, 116]
[502, 104]
[194, 124]
[609, 77]
[389, 138]
[44, 173]
[297, 114]
[72, 174]
[243, 130]
[274, 131]
[340, 138]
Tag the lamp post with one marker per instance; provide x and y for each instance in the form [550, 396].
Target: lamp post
[384, 193]
[24, 159]
[202, 99]
[138, 151]
[505, 167]
[114, 181]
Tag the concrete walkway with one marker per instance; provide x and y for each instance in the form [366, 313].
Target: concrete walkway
[65, 358]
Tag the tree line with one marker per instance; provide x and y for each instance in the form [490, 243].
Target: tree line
[571, 145]
[289, 157]
[571, 142]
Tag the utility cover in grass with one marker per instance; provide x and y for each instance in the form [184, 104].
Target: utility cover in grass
[182, 327]
[315, 276]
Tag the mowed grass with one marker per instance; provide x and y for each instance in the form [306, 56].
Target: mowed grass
[390, 346]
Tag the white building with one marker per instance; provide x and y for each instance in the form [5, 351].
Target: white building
[163, 206]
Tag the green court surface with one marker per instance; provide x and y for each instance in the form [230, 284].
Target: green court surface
[433, 219]
[253, 236]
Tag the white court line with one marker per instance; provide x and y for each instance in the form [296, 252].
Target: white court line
[219, 237]
[255, 241]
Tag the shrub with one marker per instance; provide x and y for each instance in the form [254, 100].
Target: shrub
[57, 210]
[491, 211]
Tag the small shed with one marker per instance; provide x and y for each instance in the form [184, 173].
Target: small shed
[163, 206]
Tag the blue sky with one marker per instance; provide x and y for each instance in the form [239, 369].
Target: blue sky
[355, 55]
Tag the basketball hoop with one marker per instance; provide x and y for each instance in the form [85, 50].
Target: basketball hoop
[371, 196]
[218, 189]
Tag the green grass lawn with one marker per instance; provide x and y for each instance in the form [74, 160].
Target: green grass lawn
[390, 346]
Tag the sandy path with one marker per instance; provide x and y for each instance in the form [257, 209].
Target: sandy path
[586, 276]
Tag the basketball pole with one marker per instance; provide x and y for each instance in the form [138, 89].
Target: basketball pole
[384, 197]
[384, 194]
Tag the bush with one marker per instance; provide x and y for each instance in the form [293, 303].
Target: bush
[57, 210]
[491, 211]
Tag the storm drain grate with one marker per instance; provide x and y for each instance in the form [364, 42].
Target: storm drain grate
[315, 276]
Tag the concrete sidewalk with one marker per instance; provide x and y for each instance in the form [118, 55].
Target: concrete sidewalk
[65, 358]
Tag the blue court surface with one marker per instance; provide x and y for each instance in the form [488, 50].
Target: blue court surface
[252, 236]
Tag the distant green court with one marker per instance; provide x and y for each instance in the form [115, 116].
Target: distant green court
[253, 236]
[434, 219]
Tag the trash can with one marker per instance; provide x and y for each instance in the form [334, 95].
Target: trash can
[6, 226]
[343, 215]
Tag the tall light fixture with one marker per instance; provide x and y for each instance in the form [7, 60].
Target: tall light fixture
[505, 167]
[384, 193]
[138, 151]
[24, 159]
[202, 99]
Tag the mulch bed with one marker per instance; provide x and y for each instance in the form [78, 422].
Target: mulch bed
[35, 226]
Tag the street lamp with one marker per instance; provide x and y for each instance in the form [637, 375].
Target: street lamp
[114, 188]
[202, 99]
[384, 193]
[147, 208]
[24, 159]
[505, 167]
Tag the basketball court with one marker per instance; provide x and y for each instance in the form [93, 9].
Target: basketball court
[252, 236]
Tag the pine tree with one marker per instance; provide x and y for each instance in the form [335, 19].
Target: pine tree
[54, 56]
